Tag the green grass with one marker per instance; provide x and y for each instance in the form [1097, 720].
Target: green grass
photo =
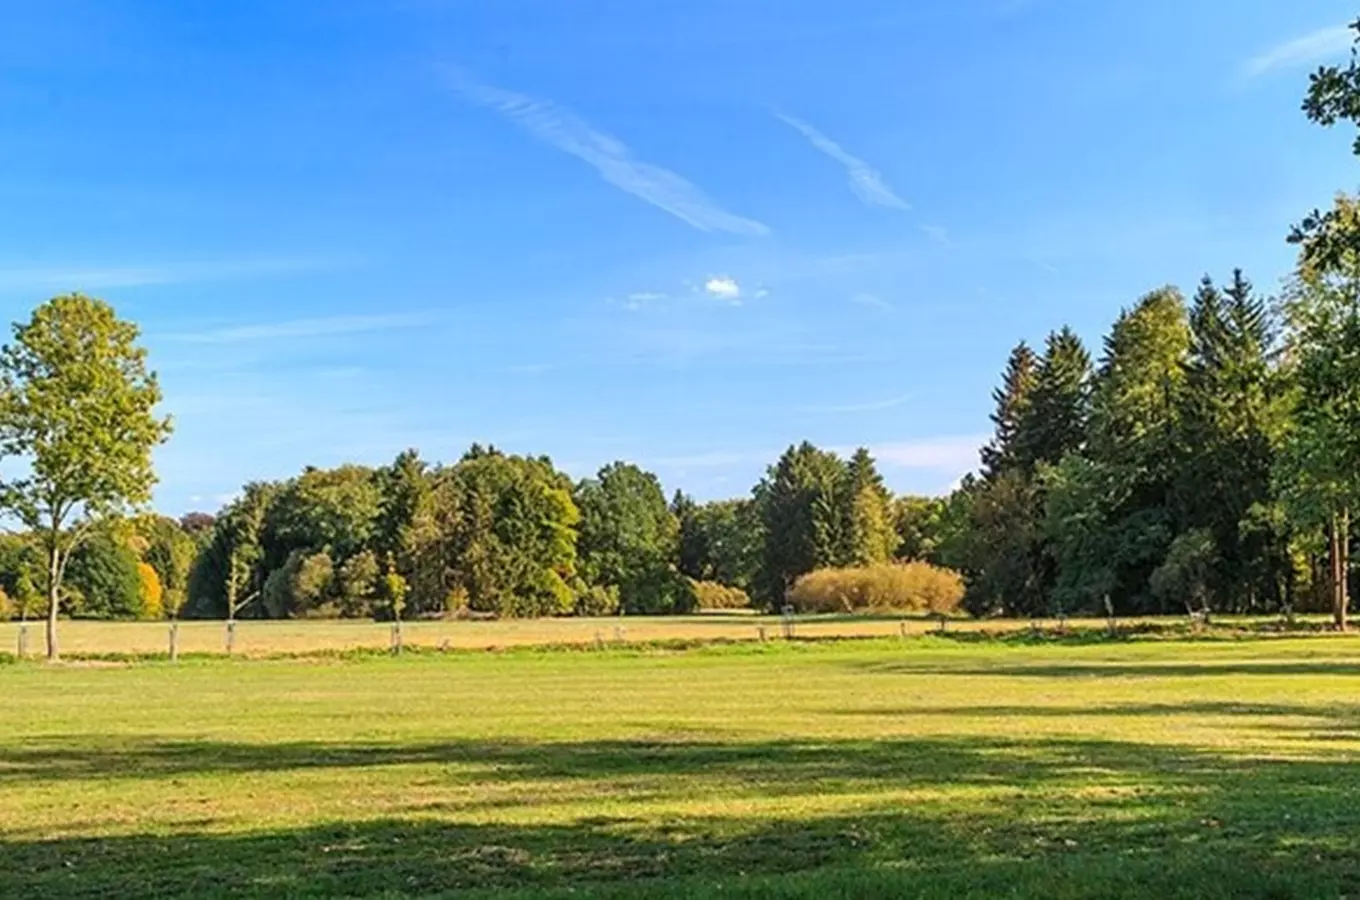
[929, 767]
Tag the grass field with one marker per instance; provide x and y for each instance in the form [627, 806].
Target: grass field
[930, 767]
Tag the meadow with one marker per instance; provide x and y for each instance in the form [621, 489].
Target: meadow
[950, 766]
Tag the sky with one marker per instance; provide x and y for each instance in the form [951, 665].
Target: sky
[680, 234]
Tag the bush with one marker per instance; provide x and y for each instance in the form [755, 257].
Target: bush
[915, 587]
[712, 595]
[598, 600]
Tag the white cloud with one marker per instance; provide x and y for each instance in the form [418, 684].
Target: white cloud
[723, 287]
[951, 454]
[870, 300]
[646, 296]
[302, 328]
[1319, 46]
[561, 128]
[866, 181]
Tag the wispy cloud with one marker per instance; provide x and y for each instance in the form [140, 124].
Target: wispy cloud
[559, 127]
[95, 277]
[302, 328]
[724, 287]
[1318, 46]
[866, 181]
[873, 301]
[868, 406]
[950, 454]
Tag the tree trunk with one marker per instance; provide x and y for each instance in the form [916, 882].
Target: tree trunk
[1337, 573]
[53, 599]
[1344, 594]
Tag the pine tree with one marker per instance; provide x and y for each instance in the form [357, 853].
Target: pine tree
[869, 533]
[1054, 423]
[1231, 421]
[1012, 400]
[801, 512]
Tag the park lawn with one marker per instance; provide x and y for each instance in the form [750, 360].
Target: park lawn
[926, 767]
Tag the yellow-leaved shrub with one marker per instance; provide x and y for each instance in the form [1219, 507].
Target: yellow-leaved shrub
[914, 587]
[712, 595]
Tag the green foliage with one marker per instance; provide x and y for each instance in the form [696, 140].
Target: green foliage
[103, 579]
[304, 587]
[1185, 574]
[720, 541]
[1000, 549]
[869, 530]
[629, 540]
[800, 507]
[1054, 421]
[921, 525]
[171, 552]
[508, 533]
[883, 588]
[77, 404]
[818, 512]
[1012, 401]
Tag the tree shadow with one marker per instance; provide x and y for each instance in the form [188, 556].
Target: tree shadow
[1122, 669]
[1065, 817]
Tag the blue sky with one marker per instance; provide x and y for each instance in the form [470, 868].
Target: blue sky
[683, 234]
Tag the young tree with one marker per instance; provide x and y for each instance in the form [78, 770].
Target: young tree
[77, 404]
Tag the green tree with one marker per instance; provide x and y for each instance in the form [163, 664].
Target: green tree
[1134, 428]
[629, 540]
[171, 551]
[1232, 417]
[720, 541]
[1318, 470]
[869, 533]
[77, 404]
[1012, 401]
[801, 513]
[508, 534]
[921, 524]
[1328, 238]
[1054, 422]
[228, 578]
[102, 578]
[406, 532]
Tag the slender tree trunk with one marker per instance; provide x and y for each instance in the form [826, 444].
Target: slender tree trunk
[53, 599]
[1337, 573]
[1344, 546]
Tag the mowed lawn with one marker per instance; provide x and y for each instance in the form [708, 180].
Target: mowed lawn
[926, 767]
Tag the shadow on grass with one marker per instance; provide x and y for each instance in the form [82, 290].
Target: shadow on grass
[1021, 817]
[1122, 669]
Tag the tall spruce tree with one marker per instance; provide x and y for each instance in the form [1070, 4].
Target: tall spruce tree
[801, 511]
[869, 533]
[1012, 400]
[1232, 416]
[1054, 422]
